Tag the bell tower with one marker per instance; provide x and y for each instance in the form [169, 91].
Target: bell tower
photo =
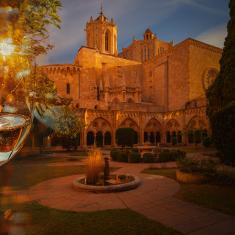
[101, 34]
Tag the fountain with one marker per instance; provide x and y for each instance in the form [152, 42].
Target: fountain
[98, 178]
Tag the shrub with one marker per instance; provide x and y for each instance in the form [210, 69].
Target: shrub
[123, 156]
[207, 142]
[114, 154]
[205, 167]
[173, 155]
[149, 158]
[134, 157]
[135, 150]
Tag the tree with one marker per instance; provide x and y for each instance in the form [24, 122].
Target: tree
[28, 23]
[24, 32]
[68, 128]
[221, 96]
[126, 137]
[24, 28]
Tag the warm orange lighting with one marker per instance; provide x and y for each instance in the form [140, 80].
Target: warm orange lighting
[6, 47]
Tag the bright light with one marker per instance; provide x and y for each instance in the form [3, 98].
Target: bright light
[23, 73]
[6, 47]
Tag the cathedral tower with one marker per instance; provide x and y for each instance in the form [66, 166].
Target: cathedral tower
[101, 34]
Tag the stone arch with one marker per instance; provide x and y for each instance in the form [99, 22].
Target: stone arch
[107, 43]
[152, 131]
[100, 126]
[196, 130]
[129, 123]
[196, 123]
[173, 132]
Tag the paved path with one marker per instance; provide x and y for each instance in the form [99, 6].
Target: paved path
[154, 199]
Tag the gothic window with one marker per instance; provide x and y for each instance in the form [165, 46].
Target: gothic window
[68, 88]
[107, 40]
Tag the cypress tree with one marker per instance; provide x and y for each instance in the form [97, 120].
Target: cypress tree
[221, 96]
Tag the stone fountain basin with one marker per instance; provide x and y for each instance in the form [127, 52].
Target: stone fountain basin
[77, 185]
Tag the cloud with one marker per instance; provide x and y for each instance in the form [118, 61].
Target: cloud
[214, 36]
[202, 6]
[131, 16]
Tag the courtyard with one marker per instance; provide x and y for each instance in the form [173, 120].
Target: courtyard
[127, 127]
[41, 193]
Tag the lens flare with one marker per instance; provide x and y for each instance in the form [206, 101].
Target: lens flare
[7, 47]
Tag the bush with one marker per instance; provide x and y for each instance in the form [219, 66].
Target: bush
[207, 142]
[114, 154]
[134, 157]
[149, 158]
[123, 156]
[135, 150]
[205, 167]
[168, 156]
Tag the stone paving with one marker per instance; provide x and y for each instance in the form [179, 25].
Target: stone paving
[154, 199]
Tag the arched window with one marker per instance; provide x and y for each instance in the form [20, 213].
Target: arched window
[68, 88]
[107, 40]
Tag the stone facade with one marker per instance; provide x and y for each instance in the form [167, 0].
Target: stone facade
[154, 87]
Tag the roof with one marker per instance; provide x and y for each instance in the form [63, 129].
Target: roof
[148, 30]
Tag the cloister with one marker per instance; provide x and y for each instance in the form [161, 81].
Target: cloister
[180, 127]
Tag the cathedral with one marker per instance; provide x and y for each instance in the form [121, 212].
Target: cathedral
[152, 86]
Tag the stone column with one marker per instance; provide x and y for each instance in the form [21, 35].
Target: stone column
[163, 139]
[113, 141]
[83, 139]
[141, 129]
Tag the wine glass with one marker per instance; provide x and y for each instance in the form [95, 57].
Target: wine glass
[15, 117]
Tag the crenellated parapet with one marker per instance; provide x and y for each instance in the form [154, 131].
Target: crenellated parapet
[64, 69]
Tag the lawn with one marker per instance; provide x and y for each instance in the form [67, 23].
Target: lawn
[21, 175]
[210, 195]
[45, 221]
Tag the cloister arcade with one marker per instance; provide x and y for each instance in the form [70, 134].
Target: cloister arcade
[175, 128]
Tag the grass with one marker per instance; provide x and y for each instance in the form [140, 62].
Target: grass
[45, 221]
[25, 173]
[218, 197]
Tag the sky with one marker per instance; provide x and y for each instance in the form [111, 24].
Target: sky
[170, 20]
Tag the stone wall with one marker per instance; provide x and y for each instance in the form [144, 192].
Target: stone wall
[178, 75]
[202, 57]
